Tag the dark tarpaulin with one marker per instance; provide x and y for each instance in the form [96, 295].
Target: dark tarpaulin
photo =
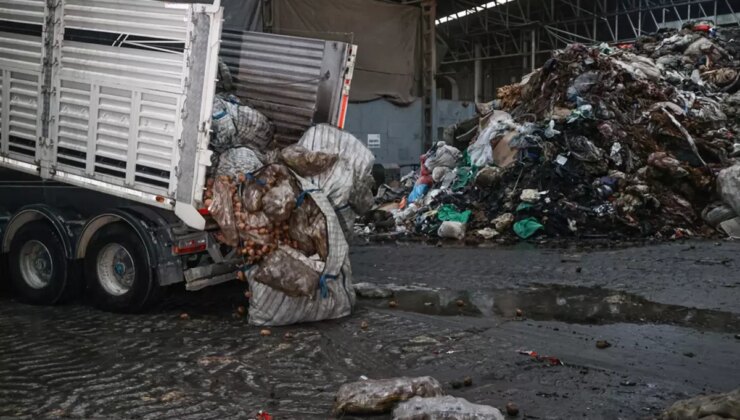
[387, 36]
[243, 15]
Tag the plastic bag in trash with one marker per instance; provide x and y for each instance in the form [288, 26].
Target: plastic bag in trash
[481, 151]
[447, 408]
[452, 230]
[584, 149]
[306, 162]
[716, 213]
[236, 125]
[380, 396]
[252, 194]
[442, 156]
[439, 172]
[354, 164]
[308, 229]
[238, 161]
[728, 183]
[221, 210]
[288, 274]
[279, 201]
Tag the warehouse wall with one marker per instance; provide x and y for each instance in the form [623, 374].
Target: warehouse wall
[394, 133]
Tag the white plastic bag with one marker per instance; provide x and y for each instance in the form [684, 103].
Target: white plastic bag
[444, 156]
[451, 230]
[347, 183]
[447, 408]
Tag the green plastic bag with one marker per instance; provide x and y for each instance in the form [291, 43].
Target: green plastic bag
[449, 213]
[526, 228]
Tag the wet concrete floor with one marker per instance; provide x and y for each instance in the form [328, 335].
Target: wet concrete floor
[670, 313]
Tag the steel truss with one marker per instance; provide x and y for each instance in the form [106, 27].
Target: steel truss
[530, 28]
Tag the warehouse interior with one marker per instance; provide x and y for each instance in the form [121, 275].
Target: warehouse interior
[465, 50]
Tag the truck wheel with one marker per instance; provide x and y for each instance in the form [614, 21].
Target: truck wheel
[39, 269]
[119, 277]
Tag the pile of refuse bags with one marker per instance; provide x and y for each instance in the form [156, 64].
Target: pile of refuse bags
[287, 212]
[619, 142]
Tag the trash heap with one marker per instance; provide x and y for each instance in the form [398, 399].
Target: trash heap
[285, 212]
[601, 142]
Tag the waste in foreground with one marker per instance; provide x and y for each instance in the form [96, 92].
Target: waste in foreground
[714, 407]
[380, 396]
[444, 408]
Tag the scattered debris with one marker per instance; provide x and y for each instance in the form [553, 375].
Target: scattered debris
[512, 409]
[553, 361]
[364, 325]
[265, 332]
[448, 408]
[721, 406]
[380, 396]
[185, 316]
[603, 344]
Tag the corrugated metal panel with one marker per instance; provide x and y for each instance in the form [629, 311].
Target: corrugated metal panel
[127, 66]
[20, 51]
[24, 11]
[120, 106]
[135, 124]
[20, 115]
[134, 17]
[20, 71]
[279, 75]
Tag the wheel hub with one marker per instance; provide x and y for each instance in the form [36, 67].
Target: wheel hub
[36, 264]
[116, 271]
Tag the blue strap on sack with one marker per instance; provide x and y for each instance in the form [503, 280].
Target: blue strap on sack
[325, 287]
[250, 176]
[302, 197]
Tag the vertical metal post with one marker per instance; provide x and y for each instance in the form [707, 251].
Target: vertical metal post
[478, 74]
[639, 16]
[51, 33]
[429, 65]
[533, 60]
[616, 23]
[267, 16]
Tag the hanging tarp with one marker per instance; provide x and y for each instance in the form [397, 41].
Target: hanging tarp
[387, 36]
[243, 15]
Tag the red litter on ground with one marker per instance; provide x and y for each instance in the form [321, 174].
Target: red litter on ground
[554, 361]
[263, 415]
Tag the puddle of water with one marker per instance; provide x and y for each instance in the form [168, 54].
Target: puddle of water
[437, 302]
[576, 305]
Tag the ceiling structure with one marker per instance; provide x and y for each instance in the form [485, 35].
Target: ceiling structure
[521, 28]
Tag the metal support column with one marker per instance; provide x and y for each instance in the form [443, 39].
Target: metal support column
[478, 74]
[429, 66]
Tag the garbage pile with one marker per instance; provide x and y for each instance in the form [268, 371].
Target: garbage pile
[601, 142]
[287, 212]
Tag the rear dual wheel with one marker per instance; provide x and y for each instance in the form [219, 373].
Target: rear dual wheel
[40, 272]
[118, 272]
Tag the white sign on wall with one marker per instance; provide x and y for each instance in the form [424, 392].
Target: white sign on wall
[373, 141]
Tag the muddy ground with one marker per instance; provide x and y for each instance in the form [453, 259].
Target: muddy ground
[671, 313]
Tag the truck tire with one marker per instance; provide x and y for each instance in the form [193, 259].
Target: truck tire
[118, 273]
[39, 270]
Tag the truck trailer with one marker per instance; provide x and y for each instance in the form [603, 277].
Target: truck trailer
[105, 124]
